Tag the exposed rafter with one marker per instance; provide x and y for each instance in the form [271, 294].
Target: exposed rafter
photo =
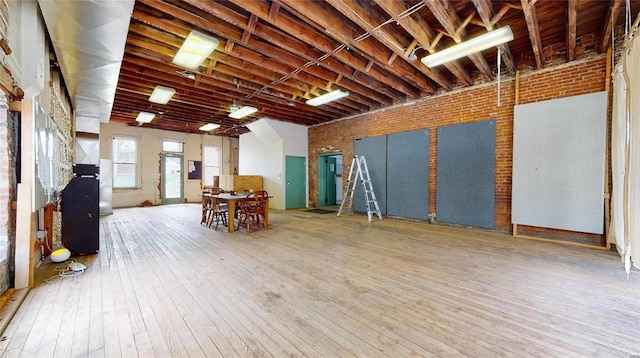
[571, 29]
[363, 17]
[276, 54]
[489, 20]
[448, 18]
[609, 20]
[422, 33]
[528, 7]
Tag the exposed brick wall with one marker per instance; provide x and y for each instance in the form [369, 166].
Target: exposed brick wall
[466, 105]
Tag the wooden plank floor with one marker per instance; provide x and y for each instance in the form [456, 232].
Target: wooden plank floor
[322, 286]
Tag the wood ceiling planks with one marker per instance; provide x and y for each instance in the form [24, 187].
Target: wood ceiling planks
[274, 55]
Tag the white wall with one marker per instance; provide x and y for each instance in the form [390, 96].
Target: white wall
[257, 157]
[263, 152]
[150, 146]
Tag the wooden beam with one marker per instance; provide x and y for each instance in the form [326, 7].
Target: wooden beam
[369, 65]
[448, 18]
[253, 20]
[228, 48]
[273, 11]
[345, 61]
[485, 10]
[364, 18]
[609, 22]
[345, 34]
[423, 34]
[534, 31]
[392, 58]
[571, 29]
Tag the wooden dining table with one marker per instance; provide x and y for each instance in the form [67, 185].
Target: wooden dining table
[232, 199]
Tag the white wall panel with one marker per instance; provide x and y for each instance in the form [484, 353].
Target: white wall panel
[558, 163]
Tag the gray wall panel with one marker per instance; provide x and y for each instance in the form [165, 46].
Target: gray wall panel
[465, 187]
[374, 150]
[408, 174]
[558, 163]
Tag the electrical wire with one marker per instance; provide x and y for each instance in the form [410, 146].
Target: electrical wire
[64, 271]
[402, 15]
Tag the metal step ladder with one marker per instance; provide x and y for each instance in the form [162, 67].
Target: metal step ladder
[361, 174]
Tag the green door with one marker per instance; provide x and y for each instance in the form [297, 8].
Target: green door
[326, 180]
[330, 175]
[172, 180]
[296, 183]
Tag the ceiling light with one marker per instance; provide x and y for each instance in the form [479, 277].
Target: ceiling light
[243, 112]
[327, 97]
[195, 49]
[463, 49]
[161, 94]
[209, 127]
[145, 117]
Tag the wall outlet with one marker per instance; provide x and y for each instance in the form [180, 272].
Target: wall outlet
[431, 217]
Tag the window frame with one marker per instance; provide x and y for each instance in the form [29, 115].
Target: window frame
[136, 170]
[204, 182]
[163, 150]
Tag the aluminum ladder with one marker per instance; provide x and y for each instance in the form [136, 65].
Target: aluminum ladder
[361, 174]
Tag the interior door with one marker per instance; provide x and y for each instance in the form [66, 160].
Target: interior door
[296, 183]
[172, 189]
[329, 197]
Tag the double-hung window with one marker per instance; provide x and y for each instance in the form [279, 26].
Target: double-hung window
[210, 164]
[125, 162]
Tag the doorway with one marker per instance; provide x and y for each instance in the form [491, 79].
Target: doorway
[172, 180]
[329, 179]
[296, 184]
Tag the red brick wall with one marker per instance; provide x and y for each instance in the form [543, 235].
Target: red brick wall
[467, 105]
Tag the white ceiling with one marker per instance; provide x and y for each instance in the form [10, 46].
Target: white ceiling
[88, 37]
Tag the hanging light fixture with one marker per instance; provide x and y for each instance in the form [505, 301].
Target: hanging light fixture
[463, 49]
[195, 49]
[327, 97]
[161, 94]
[242, 112]
[145, 117]
[209, 127]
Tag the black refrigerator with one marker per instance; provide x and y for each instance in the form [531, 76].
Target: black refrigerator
[80, 211]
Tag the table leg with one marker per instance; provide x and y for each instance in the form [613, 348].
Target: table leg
[266, 214]
[232, 215]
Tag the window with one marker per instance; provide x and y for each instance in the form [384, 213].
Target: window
[172, 146]
[125, 160]
[210, 164]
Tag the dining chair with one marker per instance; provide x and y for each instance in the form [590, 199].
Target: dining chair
[217, 213]
[252, 209]
[205, 194]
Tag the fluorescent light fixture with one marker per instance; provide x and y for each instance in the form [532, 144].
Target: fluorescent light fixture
[145, 117]
[463, 49]
[209, 127]
[161, 94]
[195, 49]
[243, 112]
[327, 97]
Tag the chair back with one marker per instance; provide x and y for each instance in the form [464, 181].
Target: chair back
[259, 195]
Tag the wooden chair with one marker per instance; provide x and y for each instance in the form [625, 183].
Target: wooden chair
[251, 210]
[215, 212]
[205, 206]
[218, 212]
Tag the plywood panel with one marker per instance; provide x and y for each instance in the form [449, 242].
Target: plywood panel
[558, 163]
[374, 150]
[247, 182]
[465, 187]
[408, 174]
